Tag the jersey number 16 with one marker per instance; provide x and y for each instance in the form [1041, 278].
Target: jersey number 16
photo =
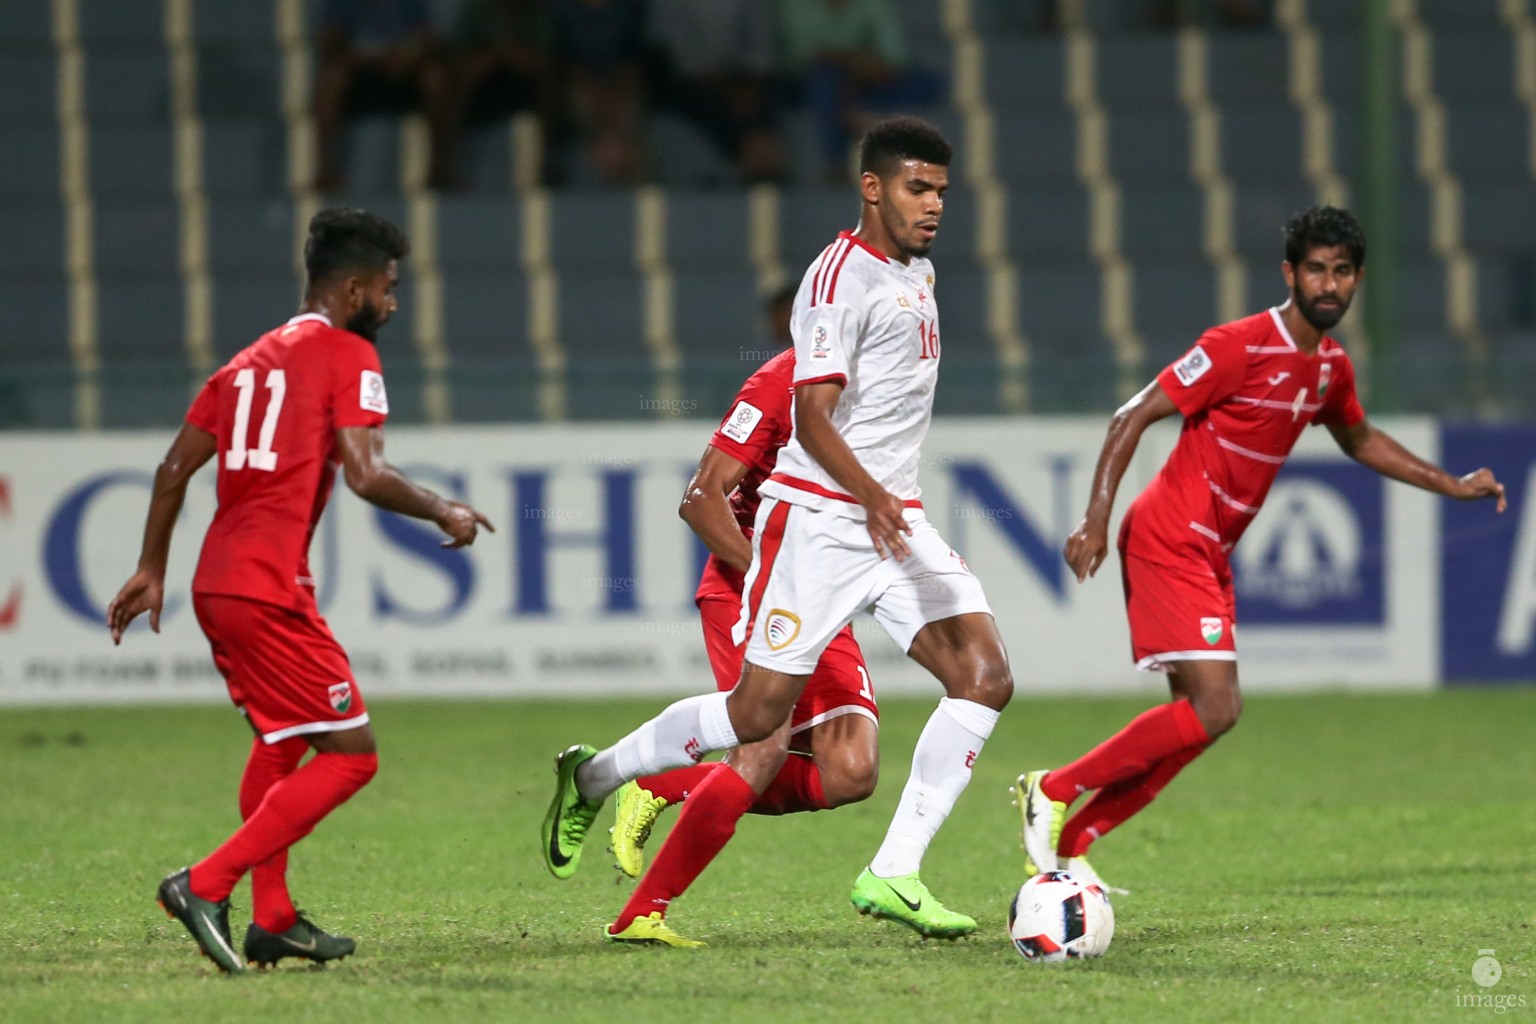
[262, 456]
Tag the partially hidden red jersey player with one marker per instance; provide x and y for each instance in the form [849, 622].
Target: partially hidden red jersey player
[835, 718]
[1246, 391]
[280, 417]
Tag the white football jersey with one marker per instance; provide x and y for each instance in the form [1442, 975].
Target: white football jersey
[873, 324]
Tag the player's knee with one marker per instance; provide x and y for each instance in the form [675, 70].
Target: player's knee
[849, 777]
[751, 723]
[1219, 714]
[991, 683]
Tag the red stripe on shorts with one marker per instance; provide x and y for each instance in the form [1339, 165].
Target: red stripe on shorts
[772, 538]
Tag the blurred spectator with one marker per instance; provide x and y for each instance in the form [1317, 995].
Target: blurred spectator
[1221, 13]
[501, 66]
[378, 55]
[714, 64]
[598, 50]
[778, 310]
[852, 57]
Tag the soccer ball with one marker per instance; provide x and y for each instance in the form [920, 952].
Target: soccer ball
[1055, 917]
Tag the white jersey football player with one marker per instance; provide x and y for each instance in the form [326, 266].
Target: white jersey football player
[841, 529]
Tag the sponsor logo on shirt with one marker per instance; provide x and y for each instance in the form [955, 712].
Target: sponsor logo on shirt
[371, 393]
[819, 347]
[782, 629]
[1192, 367]
[742, 421]
[1210, 628]
[341, 693]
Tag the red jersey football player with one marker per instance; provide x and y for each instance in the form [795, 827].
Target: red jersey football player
[1246, 391]
[835, 719]
[280, 417]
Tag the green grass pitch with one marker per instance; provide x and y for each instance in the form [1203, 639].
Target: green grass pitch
[1338, 857]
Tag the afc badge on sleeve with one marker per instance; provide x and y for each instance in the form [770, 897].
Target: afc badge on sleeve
[1192, 367]
[371, 393]
[743, 420]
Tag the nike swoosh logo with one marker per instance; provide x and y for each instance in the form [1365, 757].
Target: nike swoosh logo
[914, 907]
[218, 936]
[557, 856]
[1277, 378]
[306, 947]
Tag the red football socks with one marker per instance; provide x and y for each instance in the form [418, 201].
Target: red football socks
[269, 764]
[1116, 803]
[675, 785]
[797, 787]
[289, 812]
[707, 823]
[1147, 739]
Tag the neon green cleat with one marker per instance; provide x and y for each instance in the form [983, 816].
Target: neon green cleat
[907, 900]
[570, 814]
[1043, 818]
[635, 810]
[1084, 872]
[651, 930]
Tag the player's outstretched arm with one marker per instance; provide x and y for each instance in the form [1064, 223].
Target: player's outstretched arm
[814, 427]
[1383, 453]
[378, 483]
[145, 589]
[706, 507]
[1089, 543]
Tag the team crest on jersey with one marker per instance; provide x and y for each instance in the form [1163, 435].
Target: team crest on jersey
[1324, 372]
[1210, 629]
[742, 421]
[341, 697]
[782, 628]
[819, 347]
[1192, 367]
[371, 394]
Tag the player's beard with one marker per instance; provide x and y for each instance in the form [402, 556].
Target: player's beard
[904, 232]
[1322, 318]
[367, 321]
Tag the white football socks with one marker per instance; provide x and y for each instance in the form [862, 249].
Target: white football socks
[941, 769]
[680, 735]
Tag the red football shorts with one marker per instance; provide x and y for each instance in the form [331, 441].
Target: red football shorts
[285, 671]
[1177, 614]
[839, 685]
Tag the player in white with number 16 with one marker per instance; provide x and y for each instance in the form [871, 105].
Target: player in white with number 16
[841, 529]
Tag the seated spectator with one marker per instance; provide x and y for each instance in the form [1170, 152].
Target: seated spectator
[850, 56]
[501, 66]
[377, 56]
[714, 64]
[597, 48]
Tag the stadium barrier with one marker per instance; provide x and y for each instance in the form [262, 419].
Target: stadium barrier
[586, 587]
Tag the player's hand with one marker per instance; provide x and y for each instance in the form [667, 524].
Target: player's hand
[887, 523]
[1086, 547]
[461, 523]
[1482, 484]
[144, 592]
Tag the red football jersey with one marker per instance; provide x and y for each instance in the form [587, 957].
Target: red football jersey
[275, 409]
[752, 433]
[1246, 392]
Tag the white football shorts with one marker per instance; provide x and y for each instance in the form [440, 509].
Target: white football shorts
[812, 571]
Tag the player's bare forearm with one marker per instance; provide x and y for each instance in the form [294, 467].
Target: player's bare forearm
[374, 480]
[706, 508]
[814, 429]
[1382, 452]
[191, 449]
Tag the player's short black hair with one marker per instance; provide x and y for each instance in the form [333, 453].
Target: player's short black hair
[346, 239]
[1325, 226]
[784, 293]
[896, 139]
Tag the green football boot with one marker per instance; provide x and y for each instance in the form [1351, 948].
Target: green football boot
[570, 814]
[304, 939]
[635, 810]
[650, 930]
[907, 900]
[206, 920]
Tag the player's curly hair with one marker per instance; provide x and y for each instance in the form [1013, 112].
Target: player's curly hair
[346, 239]
[896, 139]
[1325, 226]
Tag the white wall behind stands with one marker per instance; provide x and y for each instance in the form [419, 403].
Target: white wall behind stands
[586, 587]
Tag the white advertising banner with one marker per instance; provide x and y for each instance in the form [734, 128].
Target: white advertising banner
[586, 587]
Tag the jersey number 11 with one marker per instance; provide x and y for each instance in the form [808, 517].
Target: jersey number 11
[262, 456]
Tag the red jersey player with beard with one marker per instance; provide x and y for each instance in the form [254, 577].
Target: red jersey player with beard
[281, 416]
[1246, 391]
[835, 720]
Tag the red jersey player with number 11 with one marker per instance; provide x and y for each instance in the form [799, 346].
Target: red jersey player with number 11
[280, 416]
[1246, 391]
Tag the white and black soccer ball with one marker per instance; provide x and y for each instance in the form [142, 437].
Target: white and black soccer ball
[1056, 916]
